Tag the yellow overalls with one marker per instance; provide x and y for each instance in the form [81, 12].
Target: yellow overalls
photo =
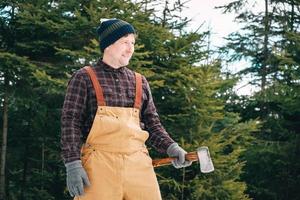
[115, 156]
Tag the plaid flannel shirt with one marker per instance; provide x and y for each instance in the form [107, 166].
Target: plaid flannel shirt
[118, 86]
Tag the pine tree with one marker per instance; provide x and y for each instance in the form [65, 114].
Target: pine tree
[271, 167]
[189, 99]
[54, 39]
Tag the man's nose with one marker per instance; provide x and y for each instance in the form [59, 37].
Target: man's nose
[130, 48]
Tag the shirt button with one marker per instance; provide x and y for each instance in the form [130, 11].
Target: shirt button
[117, 80]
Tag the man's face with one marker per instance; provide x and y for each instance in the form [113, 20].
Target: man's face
[120, 52]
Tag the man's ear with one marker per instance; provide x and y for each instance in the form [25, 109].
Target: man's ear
[106, 49]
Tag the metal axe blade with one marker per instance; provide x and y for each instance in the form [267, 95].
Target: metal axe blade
[202, 155]
[206, 165]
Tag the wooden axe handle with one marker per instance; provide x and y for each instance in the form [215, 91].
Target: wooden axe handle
[192, 156]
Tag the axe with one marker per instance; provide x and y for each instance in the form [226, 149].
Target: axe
[202, 155]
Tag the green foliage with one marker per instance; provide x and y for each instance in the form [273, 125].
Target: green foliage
[53, 39]
[272, 165]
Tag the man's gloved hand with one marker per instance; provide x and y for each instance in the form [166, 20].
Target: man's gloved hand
[174, 150]
[76, 178]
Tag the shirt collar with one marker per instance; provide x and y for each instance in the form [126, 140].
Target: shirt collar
[109, 68]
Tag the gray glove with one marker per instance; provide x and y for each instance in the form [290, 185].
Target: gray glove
[174, 150]
[76, 178]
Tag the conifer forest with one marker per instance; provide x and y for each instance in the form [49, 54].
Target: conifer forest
[254, 140]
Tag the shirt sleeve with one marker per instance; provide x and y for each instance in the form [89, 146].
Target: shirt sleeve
[158, 136]
[72, 118]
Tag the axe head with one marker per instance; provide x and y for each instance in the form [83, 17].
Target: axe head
[206, 164]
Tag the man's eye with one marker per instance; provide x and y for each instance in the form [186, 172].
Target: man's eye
[128, 42]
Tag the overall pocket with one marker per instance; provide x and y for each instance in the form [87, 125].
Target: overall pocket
[104, 124]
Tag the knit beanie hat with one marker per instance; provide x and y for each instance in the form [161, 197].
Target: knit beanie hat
[110, 30]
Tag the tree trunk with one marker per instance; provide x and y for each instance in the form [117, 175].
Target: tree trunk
[165, 14]
[264, 67]
[4, 141]
[292, 20]
[43, 163]
[25, 167]
[265, 48]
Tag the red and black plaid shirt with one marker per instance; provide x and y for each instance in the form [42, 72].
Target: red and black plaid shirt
[118, 86]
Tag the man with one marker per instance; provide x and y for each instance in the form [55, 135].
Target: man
[107, 116]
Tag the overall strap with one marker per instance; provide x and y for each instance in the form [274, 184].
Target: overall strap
[96, 84]
[138, 90]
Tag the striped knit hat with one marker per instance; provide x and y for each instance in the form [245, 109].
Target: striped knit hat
[110, 30]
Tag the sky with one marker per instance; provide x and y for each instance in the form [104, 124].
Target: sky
[203, 11]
